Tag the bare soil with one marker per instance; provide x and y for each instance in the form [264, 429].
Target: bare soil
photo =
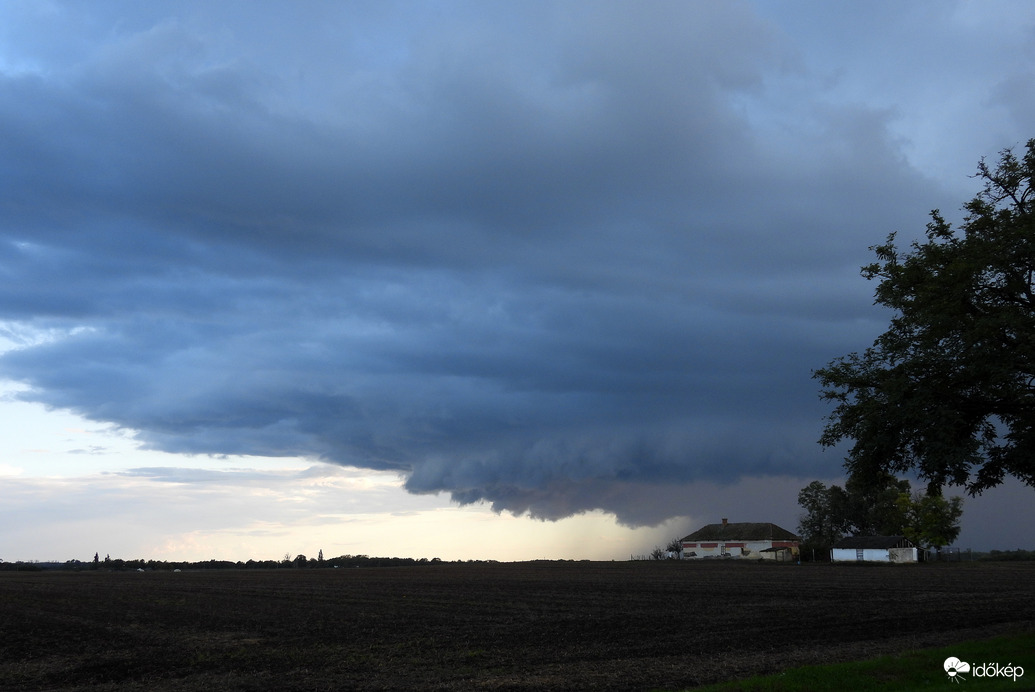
[510, 626]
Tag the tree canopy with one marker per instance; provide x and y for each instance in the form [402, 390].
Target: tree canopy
[930, 521]
[889, 508]
[948, 391]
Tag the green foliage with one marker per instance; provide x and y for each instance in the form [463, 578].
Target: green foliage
[930, 521]
[886, 507]
[864, 508]
[821, 525]
[871, 505]
[948, 391]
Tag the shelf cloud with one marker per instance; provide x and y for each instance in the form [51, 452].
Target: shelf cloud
[549, 256]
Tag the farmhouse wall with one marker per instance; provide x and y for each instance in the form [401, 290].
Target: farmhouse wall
[746, 549]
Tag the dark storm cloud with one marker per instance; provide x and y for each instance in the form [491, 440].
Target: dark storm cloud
[546, 256]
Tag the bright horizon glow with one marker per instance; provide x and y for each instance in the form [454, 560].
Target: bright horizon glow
[89, 488]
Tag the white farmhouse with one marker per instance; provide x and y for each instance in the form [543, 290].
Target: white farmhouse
[742, 539]
[873, 549]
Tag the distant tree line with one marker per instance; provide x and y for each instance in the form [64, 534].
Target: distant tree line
[1005, 555]
[298, 562]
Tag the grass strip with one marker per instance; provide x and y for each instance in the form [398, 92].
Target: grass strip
[913, 670]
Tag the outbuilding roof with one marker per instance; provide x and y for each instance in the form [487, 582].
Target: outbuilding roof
[742, 531]
[877, 542]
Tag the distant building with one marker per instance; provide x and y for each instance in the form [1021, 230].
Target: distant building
[873, 549]
[747, 540]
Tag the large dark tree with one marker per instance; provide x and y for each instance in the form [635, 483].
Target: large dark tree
[948, 391]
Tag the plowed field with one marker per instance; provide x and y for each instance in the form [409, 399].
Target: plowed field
[517, 626]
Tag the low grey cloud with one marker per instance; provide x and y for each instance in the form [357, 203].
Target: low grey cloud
[547, 256]
[229, 475]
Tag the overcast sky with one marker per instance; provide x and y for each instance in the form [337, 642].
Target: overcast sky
[280, 273]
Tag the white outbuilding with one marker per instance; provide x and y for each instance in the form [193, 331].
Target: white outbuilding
[873, 549]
